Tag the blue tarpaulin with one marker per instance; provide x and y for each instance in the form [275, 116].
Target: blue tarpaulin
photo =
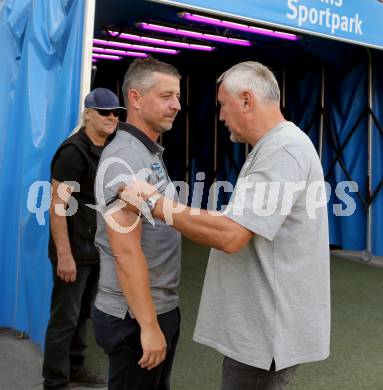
[40, 73]
[346, 101]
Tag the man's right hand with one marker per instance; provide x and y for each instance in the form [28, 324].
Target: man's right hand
[66, 268]
[154, 347]
[136, 193]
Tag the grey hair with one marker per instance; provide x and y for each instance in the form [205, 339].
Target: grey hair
[140, 75]
[253, 76]
[81, 123]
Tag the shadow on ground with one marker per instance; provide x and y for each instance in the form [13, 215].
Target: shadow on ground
[356, 361]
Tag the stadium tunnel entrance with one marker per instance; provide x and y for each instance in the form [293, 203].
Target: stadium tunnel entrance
[328, 88]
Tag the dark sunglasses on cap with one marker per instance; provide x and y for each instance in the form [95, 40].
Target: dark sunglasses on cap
[106, 112]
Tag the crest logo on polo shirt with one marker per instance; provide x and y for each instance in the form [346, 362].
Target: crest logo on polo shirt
[158, 170]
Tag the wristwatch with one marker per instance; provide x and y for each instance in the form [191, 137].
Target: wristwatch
[152, 200]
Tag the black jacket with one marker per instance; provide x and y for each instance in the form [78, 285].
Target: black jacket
[82, 225]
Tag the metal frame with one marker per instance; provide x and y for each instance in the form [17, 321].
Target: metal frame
[367, 254]
[321, 126]
[86, 65]
[187, 162]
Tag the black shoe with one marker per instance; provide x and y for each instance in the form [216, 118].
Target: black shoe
[87, 378]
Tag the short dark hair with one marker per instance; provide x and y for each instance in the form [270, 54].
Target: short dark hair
[140, 74]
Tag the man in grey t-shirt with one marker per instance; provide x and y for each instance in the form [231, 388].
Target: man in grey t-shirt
[136, 316]
[266, 299]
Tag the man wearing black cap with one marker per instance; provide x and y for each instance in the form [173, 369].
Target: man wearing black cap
[74, 257]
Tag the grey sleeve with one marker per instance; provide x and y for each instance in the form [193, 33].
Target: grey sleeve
[264, 196]
[117, 169]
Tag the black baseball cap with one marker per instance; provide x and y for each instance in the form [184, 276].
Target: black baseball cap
[102, 98]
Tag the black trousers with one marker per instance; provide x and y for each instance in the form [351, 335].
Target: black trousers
[65, 337]
[236, 375]
[121, 341]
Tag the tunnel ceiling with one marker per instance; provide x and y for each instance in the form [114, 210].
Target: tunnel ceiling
[124, 14]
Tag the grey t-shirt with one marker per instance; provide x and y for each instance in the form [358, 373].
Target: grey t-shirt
[272, 298]
[127, 155]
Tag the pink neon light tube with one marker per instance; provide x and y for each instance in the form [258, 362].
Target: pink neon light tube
[193, 34]
[119, 52]
[123, 45]
[160, 42]
[237, 26]
[106, 57]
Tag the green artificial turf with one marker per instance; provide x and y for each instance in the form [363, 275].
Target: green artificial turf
[356, 361]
